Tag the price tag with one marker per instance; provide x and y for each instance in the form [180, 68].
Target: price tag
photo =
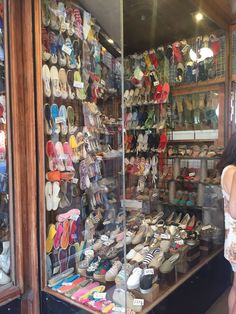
[156, 235]
[206, 227]
[149, 271]
[74, 217]
[67, 50]
[165, 236]
[108, 243]
[103, 82]
[99, 295]
[118, 309]
[106, 222]
[156, 83]
[104, 238]
[180, 242]
[129, 234]
[67, 25]
[56, 270]
[78, 84]
[75, 180]
[60, 120]
[138, 302]
[62, 157]
[88, 252]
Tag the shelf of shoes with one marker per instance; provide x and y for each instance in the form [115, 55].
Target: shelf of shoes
[160, 295]
[83, 161]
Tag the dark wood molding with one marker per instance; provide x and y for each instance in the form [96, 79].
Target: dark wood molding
[21, 91]
[213, 13]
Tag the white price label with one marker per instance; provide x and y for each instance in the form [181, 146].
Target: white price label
[104, 238]
[118, 309]
[67, 50]
[99, 295]
[62, 157]
[88, 252]
[149, 271]
[156, 236]
[75, 180]
[108, 243]
[106, 222]
[56, 270]
[180, 242]
[78, 84]
[103, 82]
[138, 302]
[206, 227]
[156, 83]
[60, 120]
[165, 236]
[74, 217]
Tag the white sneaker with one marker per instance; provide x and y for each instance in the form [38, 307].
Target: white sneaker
[4, 279]
[113, 271]
[5, 257]
[134, 280]
[131, 254]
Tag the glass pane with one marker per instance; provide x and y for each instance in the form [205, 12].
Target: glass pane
[83, 155]
[5, 264]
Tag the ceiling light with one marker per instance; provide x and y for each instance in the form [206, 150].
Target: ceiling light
[199, 16]
[111, 41]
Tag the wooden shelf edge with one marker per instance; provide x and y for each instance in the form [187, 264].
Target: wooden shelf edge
[68, 300]
[9, 293]
[233, 77]
[197, 87]
[184, 278]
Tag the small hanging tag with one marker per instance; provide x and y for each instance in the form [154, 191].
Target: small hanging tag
[67, 50]
[78, 84]
[139, 302]
[149, 271]
[99, 295]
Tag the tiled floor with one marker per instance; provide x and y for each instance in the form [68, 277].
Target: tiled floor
[221, 305]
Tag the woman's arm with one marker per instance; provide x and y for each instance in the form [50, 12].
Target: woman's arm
[232, 199]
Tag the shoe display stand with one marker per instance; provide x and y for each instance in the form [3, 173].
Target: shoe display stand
[171, 185]
[102, 250]
[83, 159]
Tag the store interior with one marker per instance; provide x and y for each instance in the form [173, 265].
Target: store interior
[133, 204]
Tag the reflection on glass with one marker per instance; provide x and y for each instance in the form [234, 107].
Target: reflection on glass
[4, 188]
[83, 141]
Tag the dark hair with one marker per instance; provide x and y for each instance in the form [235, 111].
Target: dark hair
[229, 154]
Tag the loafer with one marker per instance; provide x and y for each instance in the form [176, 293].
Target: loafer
[169, 264]
[140, 235]
[157, 260]
[113, 271]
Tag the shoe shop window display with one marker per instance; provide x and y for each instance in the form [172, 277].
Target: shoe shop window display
[167, 234]
[5, 264]
[84, 216]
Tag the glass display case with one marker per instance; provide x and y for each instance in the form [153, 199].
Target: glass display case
[128, 195]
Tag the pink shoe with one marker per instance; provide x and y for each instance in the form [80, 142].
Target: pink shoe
[71, 214]
[85, 290]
